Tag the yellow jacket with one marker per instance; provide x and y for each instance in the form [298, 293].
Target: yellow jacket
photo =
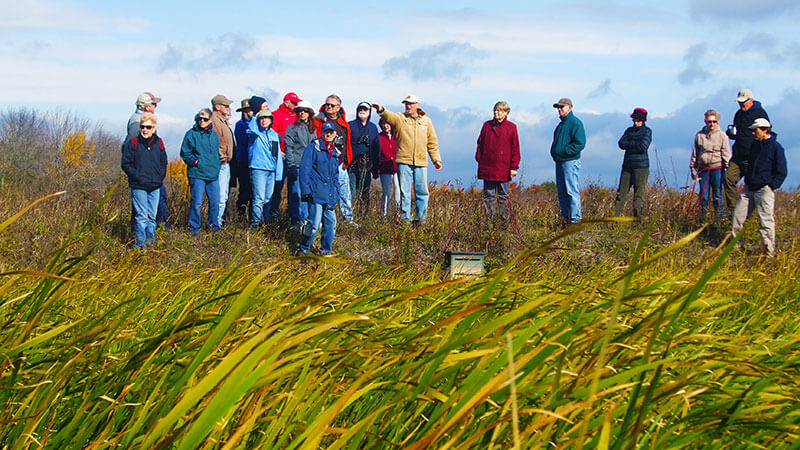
[416, 138]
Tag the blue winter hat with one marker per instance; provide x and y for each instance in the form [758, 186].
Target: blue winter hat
[328, 126]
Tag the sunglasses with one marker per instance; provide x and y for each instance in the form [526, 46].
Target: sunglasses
[331, 105]
[203, 119]
[146, 127]
[712, 121]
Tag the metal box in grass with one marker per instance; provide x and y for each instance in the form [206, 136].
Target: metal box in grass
[464, 264]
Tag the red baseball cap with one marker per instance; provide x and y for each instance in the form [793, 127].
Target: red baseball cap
[292, 97]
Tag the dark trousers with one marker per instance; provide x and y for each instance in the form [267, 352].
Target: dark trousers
[638, 179]
[245, 192]
[734, 173]
[495, 198]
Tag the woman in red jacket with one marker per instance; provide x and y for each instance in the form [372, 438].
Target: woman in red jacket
[387, 168]
[498, 160]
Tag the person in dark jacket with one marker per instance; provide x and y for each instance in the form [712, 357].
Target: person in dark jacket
[298, 136]
[635, 164]
[386, 169]
[498, 159]
[766, 172]
[200, 152]
[749, 110]
[319, 179]
[242, 158]
[569, 139]
[366, 150]
[144, 161]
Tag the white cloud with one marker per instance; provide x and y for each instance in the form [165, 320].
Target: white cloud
[47, 15]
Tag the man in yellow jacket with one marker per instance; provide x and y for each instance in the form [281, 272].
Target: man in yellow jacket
[416, 140]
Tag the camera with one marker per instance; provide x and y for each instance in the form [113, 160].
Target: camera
[363, 140]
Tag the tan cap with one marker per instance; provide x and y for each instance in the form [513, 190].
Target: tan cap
[561, 102]
[264, 113]
[411, 99]
[744, 95]
[220, 99]
[760, 123]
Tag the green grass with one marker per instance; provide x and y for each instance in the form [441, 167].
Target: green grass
[621, 348]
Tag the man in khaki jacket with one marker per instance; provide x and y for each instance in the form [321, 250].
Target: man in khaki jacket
[221, 112]
[416, 140]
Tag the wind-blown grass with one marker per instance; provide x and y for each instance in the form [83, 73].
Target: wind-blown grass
[298, 353]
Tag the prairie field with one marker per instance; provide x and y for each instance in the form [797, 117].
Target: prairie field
[615, 333]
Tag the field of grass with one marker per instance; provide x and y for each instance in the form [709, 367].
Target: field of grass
[660, 334]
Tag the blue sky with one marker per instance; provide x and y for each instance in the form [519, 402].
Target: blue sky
[675, 59]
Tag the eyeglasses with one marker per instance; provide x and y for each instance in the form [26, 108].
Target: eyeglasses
[146, 127]
[330, 105]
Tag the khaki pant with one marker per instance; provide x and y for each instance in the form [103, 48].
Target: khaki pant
[763, 202]
[733, 174]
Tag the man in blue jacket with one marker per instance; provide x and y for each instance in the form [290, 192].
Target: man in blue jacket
[766, 172]
[365, 140]
[319, 187]
[200, 152]
[569, 139]
[749, 110]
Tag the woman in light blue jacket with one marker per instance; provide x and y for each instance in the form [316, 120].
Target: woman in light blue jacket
[266, 164]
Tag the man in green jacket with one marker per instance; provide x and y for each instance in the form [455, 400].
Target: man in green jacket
[569, 139]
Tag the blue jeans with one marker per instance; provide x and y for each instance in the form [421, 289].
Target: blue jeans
[711, 180]
[320, 214]
[298, 211]
[262, 183]
[145, 205]
[196, 188]
[345, 198]
[569, 190]
[390, 187]
[413, 177]
[224, 183]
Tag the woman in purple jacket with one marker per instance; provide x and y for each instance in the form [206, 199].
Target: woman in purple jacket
[498, 160]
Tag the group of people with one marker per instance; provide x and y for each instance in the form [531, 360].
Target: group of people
[757, 157]
[325, 160]
[322, 159]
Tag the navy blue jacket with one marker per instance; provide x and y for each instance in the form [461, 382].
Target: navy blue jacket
[145, 164]
[319, 174]
[635, 141]
[242, 143]
[744, 135]
[372, 146]
[200, 152]
[767, 164]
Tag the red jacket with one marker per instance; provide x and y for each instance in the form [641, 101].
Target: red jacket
[281, 119]
[386, 164]
[498, 150]
[342, 122]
